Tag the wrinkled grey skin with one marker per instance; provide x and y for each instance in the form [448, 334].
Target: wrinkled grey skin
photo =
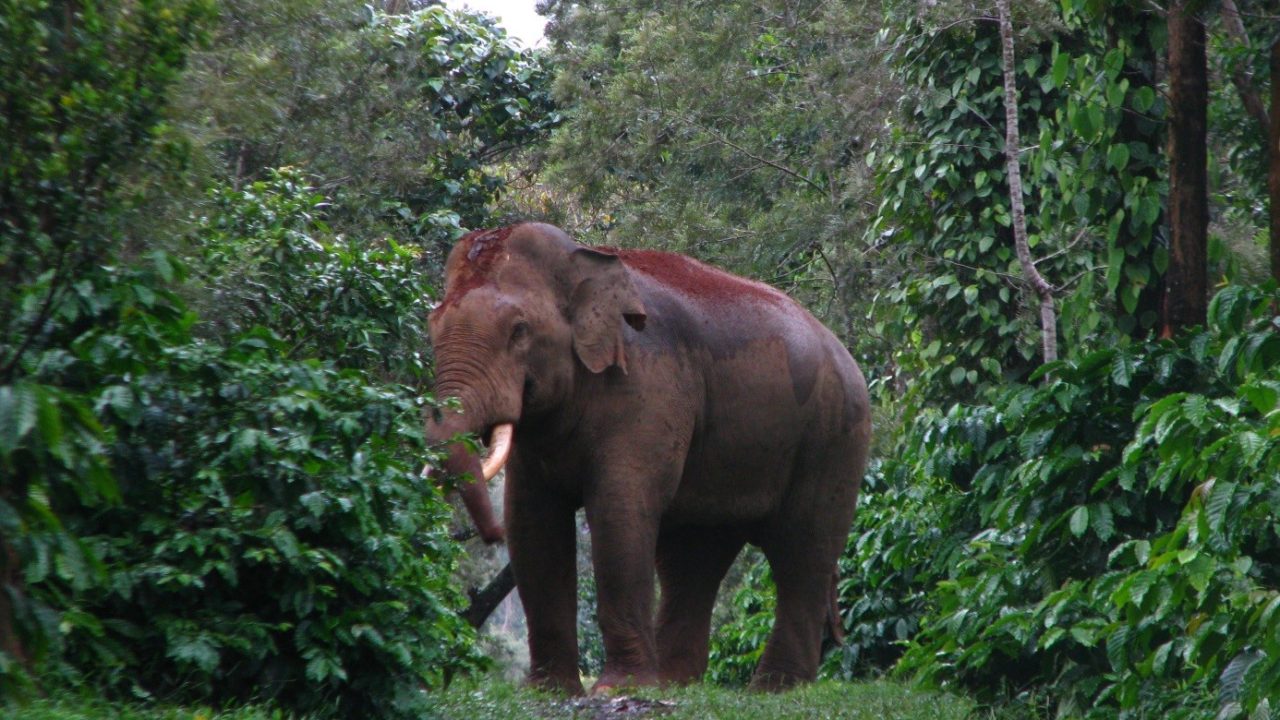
[689, 411]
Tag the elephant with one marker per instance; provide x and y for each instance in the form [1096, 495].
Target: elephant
[687, 410]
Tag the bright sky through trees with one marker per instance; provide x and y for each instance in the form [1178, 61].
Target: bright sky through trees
[518, 17]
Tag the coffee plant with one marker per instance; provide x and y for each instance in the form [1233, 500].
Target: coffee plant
[1102, 540]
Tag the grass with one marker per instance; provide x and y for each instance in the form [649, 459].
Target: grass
[487, 699]
[880, 700]
[70, 707]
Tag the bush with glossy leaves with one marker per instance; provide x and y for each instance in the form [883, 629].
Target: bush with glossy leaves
[1103, 540]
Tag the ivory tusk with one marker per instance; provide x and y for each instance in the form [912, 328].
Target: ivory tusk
[499, 450]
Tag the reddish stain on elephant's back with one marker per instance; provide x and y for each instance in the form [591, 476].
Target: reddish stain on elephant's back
[477, 254]
[481, 250]
[693, 278]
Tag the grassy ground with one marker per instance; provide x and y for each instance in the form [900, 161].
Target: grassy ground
[495, 700]
[69, 708]
[846, 701]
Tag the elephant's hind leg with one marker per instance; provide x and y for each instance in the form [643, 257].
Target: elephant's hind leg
[691, 563]
[793, 651]
[803, 545]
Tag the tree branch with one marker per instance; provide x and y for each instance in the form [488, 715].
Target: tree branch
[1080, 236]
[1273, 161]
[1241, 77]
[1032, 276]
[776, 166]
[485, 601]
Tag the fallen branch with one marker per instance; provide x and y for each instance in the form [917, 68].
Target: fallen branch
[485, 600]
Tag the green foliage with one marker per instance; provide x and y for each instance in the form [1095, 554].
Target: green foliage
[1093, 192]
[1238, 163]
[194, 511]
[590, 639]
[402, 115]
[356, 304]
[907, 528]
[737, 645]
[476, 95]
[273, 540]
[267, 534]
[84, 87]
[730, 131]
[1105, 539]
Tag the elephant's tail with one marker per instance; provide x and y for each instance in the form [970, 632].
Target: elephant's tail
[835, 628]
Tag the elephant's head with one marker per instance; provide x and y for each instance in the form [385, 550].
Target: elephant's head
[525, 312]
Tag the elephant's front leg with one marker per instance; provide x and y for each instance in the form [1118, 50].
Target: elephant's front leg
[623, 540]
[542, 541]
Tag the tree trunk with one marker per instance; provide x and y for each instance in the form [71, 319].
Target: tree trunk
[1034, 280]
[11, 575]
[1186, 282]
[1273, 154]
[10, 587]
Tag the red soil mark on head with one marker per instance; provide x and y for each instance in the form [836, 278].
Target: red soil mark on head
[480, 251]
[698, 281]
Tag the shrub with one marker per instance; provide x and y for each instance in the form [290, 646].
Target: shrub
[906, 530]
[1106, 539]
[270, 537]
[270, 259]
[85, 86]
[737, 645]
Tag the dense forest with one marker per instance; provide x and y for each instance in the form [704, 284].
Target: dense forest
[1049, 231]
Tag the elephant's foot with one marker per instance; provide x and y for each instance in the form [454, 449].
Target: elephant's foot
[562, 684]
[778, 680]
[682, 671]
[616, 682]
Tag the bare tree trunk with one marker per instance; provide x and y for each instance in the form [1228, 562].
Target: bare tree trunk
[1242, 78]
[1186, 282]
[1042, 289]
[1273, 154]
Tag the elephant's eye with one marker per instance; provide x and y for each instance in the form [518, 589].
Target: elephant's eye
[519, 332]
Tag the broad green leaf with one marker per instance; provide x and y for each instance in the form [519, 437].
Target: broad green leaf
[1122, 368]
[1118, 156]
[1061, 64]
[18, 410]
[1085, 635]
[49, 422]
[1079, 521]
[199, 650]
[1103, 522]
[1143, 98]
[1116, 650]
[1115, 268]
[1218, 503]
[1113, 63]
[1200, 571]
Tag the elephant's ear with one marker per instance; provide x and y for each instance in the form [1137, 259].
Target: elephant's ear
[603, 298]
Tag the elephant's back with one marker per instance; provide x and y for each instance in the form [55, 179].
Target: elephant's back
[700, 308]
[698, 282]
[772, 381]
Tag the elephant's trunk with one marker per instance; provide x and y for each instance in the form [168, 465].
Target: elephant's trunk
[461, 462]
